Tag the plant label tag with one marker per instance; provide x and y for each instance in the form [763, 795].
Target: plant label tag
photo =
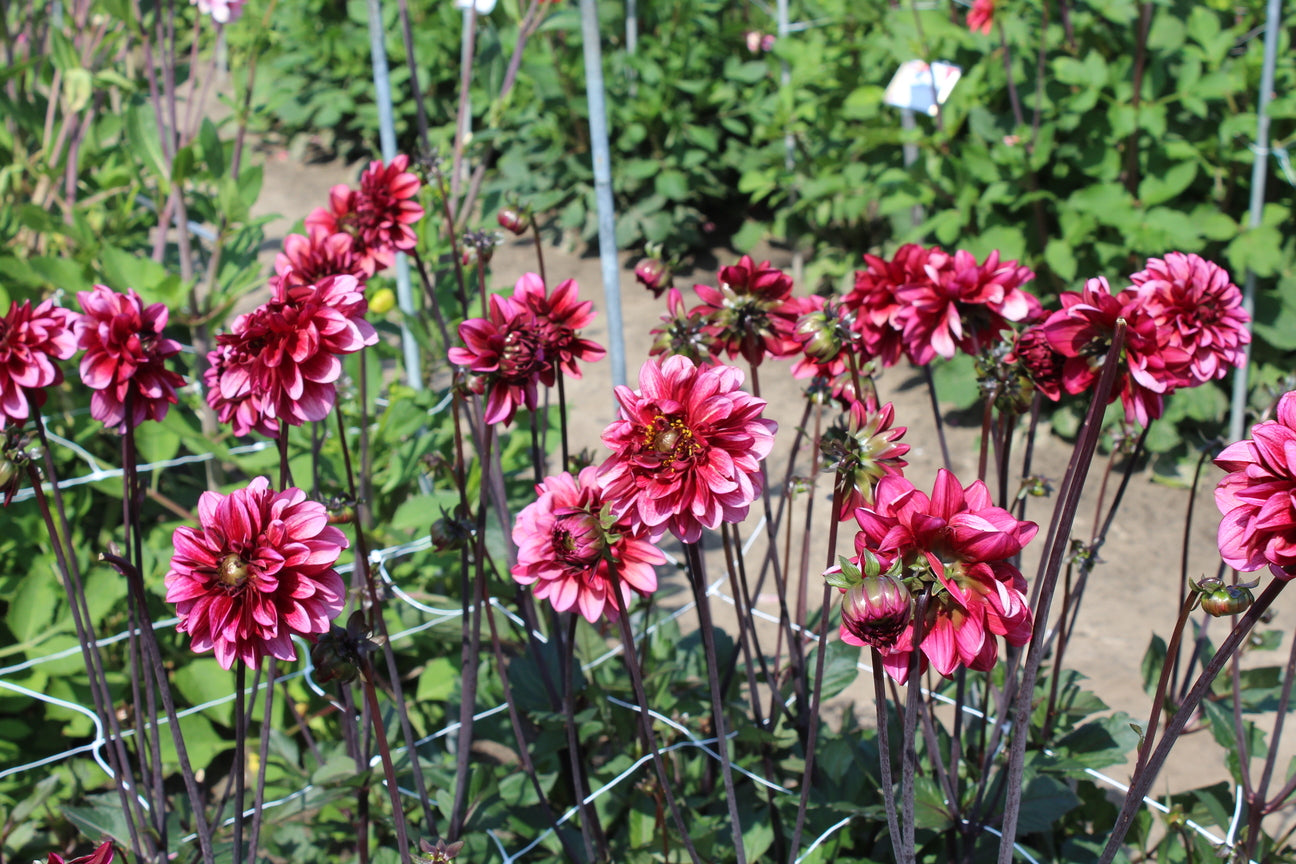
[484, 7]
[919, 86]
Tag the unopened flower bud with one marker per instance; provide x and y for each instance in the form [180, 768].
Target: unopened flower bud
[382, 301]
[511, 220]
[450, 532]
[818, 335]
[1226, 600]
[877, 610]
[654, 274]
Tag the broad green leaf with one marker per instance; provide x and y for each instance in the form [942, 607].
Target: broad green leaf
[1045, 801]
[1259, 249]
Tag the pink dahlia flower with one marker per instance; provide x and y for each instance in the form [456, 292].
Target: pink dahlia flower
[1258, 496]
[258, 572]
[506, 354]
[280, 361]
[1198, 310]
[686, 332]
[876, 303]
[958, 547]
[563, 549]
[753, 312]
[378, 215]
[31, 339]
[560, 315]
[981, 16]
[103, 854]
[686, 450]
[307, 258]
[124, 354]
[1082, 331]
[861, 452]
[961, 305]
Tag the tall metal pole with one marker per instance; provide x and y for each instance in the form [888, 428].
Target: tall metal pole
[387, 138]
[603, 187]
[1259, 171]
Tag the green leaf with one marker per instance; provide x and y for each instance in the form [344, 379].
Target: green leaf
[202, 680]
[1258, 249]
[1156, 189]
[1153, 659]
[1061, 259]
[1045, 801]
[32, 608]
[337, 767]
[439, 680]
[142, 134]
[929, 805]
[841, 667]
[104, 817]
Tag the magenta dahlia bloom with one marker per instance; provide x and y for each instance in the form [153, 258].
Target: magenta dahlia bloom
[560, 315]
[1197, 309]
[506, 355]
[103, 854]
[378, 215]
[1043, 365]
[753, 312]
[685, 332]
[961, 305]
[686, 450]
[308, 258]
[31, 339]
[124, 357]
[957, 548]
[280, 361]
[1258, 496]
[1082, 331]
[875, 299]
[861, 451]
[258, 572]
[981, 16]
[563, 548]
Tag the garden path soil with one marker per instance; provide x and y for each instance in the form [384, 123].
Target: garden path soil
[1134, 591]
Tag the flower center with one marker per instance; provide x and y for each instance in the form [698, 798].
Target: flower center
[232, 572]
[671, 439]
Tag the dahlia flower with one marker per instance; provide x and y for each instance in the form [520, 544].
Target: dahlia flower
[686, 332]
[258, 571]
[505, 352]
[686, 450]
[877, 610]
[981, 16]
[875, 299]
[961, 305]
[1082, 331]
[378, 215]
[103, 854]
[307, 258]
[559, 316]
[564, 545]
[280, 361]
[1196, 309]
[753, 312]
[957, 548]
[124, 357]
[861, 452]
[31, 339]
[1258, 496]
[1041, 363]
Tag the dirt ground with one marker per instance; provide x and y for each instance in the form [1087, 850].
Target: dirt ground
[1133, 593]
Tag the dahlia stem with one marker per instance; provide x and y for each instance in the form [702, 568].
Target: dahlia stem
[239, 768]
[884, 750]
[936, 415]
[384, 751]
[562, 419]
[263, 754]
[697, 576]
[645, 718]
[285, 473]
[909, 738]
[588, 816]
[1146, 776]
[1050, 566]
[539, 249]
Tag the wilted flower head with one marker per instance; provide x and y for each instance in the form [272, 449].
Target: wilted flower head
[31, 339]
[753, 312]
[686, 449]
[1041, 363]
[378, 215]
[1258, 496]
[957, 549]
[1198, 310]
[686, 332]
[258, 571]
[861, 451]
[124, 357]
[565, 538]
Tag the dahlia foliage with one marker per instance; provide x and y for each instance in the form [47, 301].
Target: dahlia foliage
[258, 571]
[31, 339]
[686, 450]
[955, 548]
[567, 543]
[124, 357]
[526, 340]
[1258, 496]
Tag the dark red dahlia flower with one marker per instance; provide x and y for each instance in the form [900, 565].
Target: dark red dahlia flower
[258, 571]
[307, 258]
[125, 350]
[31, 339]
[560, 315]
[875, 302]
[564, 546]
[505, 352]
[378, 215]
[686, 450]
[753, 312]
